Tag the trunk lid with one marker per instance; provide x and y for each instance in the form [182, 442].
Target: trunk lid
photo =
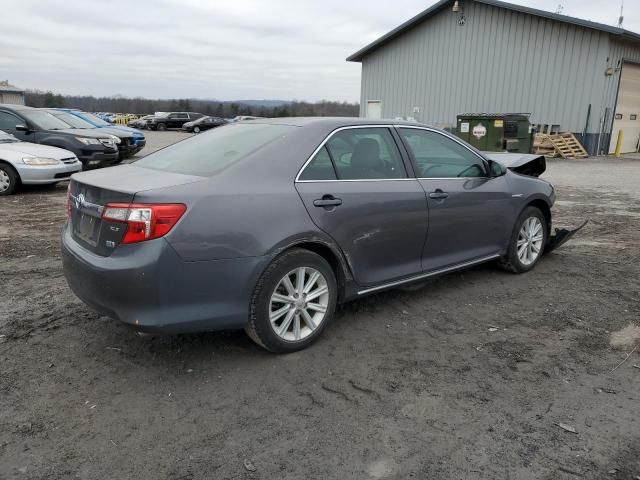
[90, 191]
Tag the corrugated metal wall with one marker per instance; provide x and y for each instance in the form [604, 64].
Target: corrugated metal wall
[13, 98]
[499, 61]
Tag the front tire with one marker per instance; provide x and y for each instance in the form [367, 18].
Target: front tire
[161, 127]
[196, 129]
[9, 179]
[527, 242]
[293, 301]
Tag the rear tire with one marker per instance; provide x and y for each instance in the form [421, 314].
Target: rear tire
[293, 302]
[528, 239]
[9, 179]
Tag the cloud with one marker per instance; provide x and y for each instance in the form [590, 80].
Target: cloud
[288, 49]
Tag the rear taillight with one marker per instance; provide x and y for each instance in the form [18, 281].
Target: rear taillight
[144, 221]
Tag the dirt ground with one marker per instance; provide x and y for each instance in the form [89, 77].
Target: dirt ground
[478, 375]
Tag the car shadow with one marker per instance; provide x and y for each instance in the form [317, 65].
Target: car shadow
[357, 314]
[55, 188]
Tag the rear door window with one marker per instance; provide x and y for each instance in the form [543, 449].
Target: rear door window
[320, 168]
[365, 154]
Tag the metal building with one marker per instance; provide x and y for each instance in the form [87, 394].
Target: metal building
[11, 94]
[490, 56]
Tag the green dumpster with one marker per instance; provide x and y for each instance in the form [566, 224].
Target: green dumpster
[496, 132]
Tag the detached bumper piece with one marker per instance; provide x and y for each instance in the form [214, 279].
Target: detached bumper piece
[561, 236]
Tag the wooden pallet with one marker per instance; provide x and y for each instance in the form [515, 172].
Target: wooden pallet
[564, 145]
[543, 146]
[568, 146]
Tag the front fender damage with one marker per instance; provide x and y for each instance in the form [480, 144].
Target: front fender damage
[522, 163]
[561, 236]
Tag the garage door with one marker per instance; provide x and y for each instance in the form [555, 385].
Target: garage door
[627, 116]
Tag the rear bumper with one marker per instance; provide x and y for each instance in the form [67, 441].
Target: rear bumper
[41, 175]
[91, 159]
[149, 287]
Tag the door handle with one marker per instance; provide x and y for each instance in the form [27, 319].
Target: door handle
[327, 201]
[438, 195]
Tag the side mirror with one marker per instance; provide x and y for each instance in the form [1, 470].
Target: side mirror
[23, 128]
[496, 169]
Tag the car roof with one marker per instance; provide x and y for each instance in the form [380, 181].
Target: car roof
[10, 106]
[333, 122]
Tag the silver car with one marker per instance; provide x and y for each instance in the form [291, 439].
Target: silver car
[30, 163]
[269, 224]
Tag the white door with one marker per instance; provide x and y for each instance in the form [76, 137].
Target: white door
[374, 109]
[627, 117]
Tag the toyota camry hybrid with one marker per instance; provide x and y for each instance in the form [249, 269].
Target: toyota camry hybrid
[268, 225]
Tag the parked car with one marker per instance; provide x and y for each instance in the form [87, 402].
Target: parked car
[171, 120]
[122, 140]
[243, 118]
[23, 163]
[204, 123]
[106, 116]
[93, 148]
[268, 224]
[140, 123]
[131, 140]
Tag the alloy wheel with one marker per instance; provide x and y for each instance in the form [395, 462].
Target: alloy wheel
[530, 240]
[299, 304]
[5, 180]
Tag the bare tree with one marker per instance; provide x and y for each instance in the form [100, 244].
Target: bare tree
[138, 105]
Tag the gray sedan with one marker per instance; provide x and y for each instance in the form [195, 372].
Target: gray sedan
[268, 225]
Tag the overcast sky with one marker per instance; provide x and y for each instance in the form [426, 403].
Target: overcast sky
[231, 49]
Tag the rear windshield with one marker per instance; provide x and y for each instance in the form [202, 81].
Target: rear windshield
[7, 138]
[208, 153]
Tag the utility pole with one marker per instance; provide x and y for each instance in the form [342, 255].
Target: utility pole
[621, 19]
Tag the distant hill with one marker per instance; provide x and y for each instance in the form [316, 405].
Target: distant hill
[263, 103]
[218, 108]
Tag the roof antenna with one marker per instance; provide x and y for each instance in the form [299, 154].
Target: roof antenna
[559, 9]
[621, 19]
